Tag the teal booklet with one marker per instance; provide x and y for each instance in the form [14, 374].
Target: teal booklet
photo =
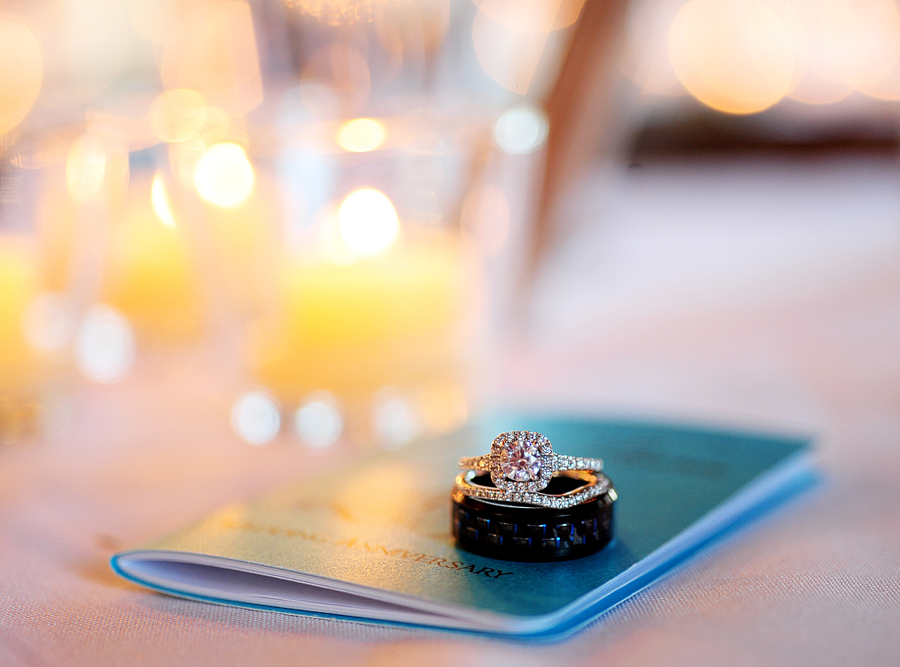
[373, 541]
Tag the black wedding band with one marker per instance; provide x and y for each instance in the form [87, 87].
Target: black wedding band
[515, 532]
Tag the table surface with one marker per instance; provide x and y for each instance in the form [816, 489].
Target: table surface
[752, 293]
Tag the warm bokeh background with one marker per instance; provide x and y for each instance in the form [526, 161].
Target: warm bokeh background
[246, 241]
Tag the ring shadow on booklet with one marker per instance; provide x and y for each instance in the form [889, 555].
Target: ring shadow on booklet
[373, 542]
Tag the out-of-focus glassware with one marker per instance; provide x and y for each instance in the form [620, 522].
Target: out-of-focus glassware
[386, 143]
[368, 286]
[311, 197]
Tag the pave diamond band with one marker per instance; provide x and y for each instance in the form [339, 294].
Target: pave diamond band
[594, 484]
[524, 462]
[558, 462]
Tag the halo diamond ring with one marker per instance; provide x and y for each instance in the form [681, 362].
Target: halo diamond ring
[522, 463]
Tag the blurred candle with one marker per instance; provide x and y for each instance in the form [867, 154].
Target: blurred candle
[18, 287]
[150, 275]
[393, 318]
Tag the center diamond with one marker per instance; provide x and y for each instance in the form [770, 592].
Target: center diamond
[519, 460]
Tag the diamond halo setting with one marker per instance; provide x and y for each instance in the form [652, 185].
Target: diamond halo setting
[522, 463]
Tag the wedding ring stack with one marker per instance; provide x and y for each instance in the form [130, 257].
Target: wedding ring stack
[522, 501]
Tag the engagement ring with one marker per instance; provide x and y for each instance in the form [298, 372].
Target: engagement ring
[523, 461]
[521, 465]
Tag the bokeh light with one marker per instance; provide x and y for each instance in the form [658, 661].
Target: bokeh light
[255, 418]
[160, 200]
[85, 49]
[104, 345]
[21, 69]
[861, 39]
[395, 420]
[224, 176]
[887, 89]
[443, 407]
[744, 56]
[367, 222]
[360, 135]
[645, 54]
[814, 82]
[318, 420]
[521, 129]
[736, 57]
[48, 322]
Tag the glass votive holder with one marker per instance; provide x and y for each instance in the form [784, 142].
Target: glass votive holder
[369, 296]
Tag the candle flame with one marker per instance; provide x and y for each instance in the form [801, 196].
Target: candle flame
[160, 201]
[360, 135]
[368, 222]
[224, 176]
